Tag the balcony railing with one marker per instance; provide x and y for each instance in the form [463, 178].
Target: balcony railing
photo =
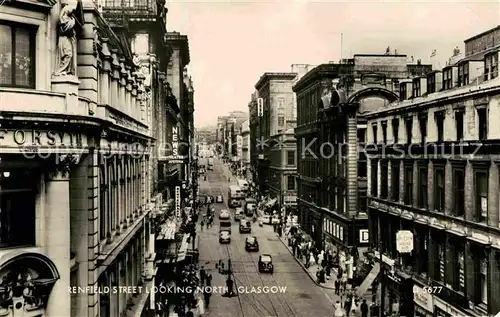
[118, 11]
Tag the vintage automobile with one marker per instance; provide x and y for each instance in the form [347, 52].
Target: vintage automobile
[225, 236]
[266, 263]
[224, 214]
[225, 225]
[245, 227]
[251, 244]
[219, 199]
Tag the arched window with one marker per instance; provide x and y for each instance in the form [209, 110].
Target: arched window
[102, 201]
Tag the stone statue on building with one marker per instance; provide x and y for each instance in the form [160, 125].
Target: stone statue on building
[66, 45]
[456, 51]
[388, 50]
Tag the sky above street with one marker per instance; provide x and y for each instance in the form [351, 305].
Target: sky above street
[232, 43]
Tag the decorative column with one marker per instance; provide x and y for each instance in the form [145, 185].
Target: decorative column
[135, 109]
[123, 84]
[128, 93]
[57, 229]
[105, 73]
[115, 66]
[352, 159]
[140, 98]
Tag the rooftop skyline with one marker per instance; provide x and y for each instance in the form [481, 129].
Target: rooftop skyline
[233, 44]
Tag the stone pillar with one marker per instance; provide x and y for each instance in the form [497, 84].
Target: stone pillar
[123, 84]
[134, 105]
[140, 98]
[128, 87]
[57, 244]
[143, 181]
[105, 73]
[115, 66]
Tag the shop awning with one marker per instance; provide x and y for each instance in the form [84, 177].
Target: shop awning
[368, 280]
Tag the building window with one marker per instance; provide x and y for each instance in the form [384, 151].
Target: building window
[409, 127]
[463, 74]
[362, 169]
[439, 275]
[361, 135]
[408, 185]
[102, 203]
[18, 191]
[481, 186]
[431, 83]
[459, 274]
[458, 191]
[491, 66]
[395, 129]
[483, 280]
[422, 120]
[17, 56]
[384, 132]
[281, 120]
[383, 180]
[459, 124]
[395, 180]
[416, 88]
[290, 181]
[374, 129]
[482, 114]
[290, 157]
[373, 177]
[447, 79]
[439, 116]
[402, 92]
[439, 190]
[422, 186]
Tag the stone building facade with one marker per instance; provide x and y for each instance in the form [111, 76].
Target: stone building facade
[78, 183]
[278, 116]
[331, 101]
[437, 178]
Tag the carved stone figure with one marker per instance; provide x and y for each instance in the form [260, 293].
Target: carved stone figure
[456, 51]
[67, 40]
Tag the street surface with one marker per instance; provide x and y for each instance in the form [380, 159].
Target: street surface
[297, 295]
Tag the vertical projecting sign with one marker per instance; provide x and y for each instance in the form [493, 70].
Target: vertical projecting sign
[260, 107]
[177, 201]
[175, 141]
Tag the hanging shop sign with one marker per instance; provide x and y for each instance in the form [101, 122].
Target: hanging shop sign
[423, 298]
[404, 241]
[36, 139]
[177, 201]
[363, 236]
[175, 158]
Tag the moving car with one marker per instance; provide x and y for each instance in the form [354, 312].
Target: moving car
[251, 244]
[224, 236]
[219, 199]
[239, 214]
[266, 263]
[209, 199]
[245, 227]
[224, 214]
[225, 225]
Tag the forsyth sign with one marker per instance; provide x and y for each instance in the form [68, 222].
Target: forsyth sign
[20, 138]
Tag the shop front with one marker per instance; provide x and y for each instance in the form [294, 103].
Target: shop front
[399, 297]
[423, 300]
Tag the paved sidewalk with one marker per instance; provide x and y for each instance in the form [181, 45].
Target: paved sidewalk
[330, 283]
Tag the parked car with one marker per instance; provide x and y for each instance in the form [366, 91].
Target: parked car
[245, 227]
[219, 199]
[225, 236]
[251, 244]
[266, 263]
[224, 214]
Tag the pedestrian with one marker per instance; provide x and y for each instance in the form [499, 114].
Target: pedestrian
[209, 279]
[207, 295]
[364, 309]
[202, 224]
[229, 285]
[201, 306]
[338, 309]
[347, 305]
[203, 275]
[189, 313]
[337, 287]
